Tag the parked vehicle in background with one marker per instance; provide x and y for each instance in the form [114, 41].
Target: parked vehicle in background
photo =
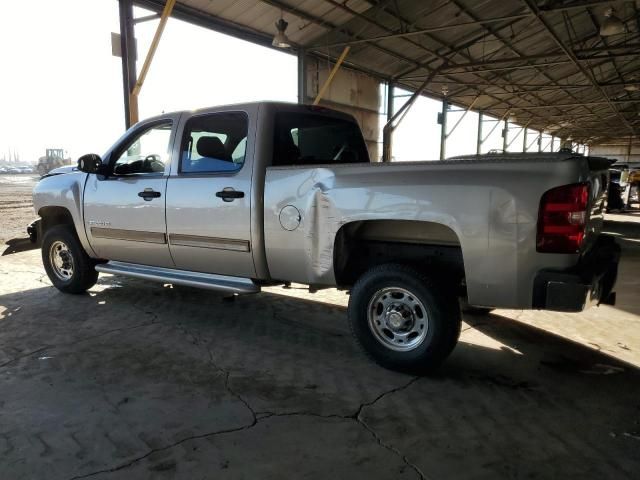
[634, 190]
[619, 189]
[241, 196]
[3, 170]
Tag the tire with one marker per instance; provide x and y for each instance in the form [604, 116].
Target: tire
[390, 294]
[68, 266]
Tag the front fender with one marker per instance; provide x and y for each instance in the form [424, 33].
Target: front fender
[64, 191]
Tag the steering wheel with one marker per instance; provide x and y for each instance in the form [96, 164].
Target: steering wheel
[152, 163]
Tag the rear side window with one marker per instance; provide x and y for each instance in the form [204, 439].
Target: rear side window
[312, 139]
[214, 143]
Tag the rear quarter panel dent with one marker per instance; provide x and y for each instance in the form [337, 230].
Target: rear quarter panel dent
[492, 208]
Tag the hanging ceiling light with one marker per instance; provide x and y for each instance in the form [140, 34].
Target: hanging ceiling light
[631, 87]
[280, 39]
[611, 25]
[445, 90]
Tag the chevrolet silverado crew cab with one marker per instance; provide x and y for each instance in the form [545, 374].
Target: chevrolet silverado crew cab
[242, 196]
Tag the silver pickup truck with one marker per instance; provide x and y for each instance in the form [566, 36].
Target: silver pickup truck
[242, 196]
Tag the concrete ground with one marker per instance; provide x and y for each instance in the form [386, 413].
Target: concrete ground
[141, 380]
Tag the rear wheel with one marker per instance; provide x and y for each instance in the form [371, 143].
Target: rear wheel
[402, 320]
[68, 266]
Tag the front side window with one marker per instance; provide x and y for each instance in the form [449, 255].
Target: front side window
[312, 139]
[214, 143]
[148, 152]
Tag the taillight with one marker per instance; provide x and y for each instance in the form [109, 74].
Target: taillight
[562, 219]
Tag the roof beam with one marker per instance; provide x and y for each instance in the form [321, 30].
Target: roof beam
[330, 26]
[377, 4]
[565, 105]
[444, 57]
[423, 31]
[575, 5]
[528, 58]
[549, 29]
[508, 44]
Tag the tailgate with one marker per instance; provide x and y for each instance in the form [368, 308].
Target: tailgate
[599, 182]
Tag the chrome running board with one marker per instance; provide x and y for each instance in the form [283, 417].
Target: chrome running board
[210, 281]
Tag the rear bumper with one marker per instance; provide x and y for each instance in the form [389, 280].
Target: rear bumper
[590, 282]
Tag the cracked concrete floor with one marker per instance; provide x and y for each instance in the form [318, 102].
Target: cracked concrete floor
[140, 380]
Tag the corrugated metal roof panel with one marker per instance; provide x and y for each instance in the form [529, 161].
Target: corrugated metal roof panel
[498, 75]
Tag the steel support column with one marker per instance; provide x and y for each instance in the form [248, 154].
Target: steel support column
[540, 142]
[528, 147]
[524, 140]
[391, 95]
[479, 138]
[387, 136]
[133, 98]
[128, 50]
[443, 129]
[302, 76]
[396, 118]
[505, 134]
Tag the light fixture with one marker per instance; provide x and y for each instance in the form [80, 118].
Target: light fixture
[631, 88]
[445, 90]
[513, 118]
[611, 25]
[280, 39]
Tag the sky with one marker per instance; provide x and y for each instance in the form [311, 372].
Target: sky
[60, 86]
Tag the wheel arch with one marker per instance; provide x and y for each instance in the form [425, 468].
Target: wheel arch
[55, 215]
[360, 245]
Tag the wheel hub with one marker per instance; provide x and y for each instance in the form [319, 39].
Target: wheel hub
[397, 319]
[61, 260]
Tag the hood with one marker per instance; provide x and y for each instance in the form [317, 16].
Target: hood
[61, 170]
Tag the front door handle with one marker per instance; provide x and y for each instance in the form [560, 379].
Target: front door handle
[148, 194]
[229, 195]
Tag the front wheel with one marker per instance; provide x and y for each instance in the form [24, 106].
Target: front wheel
[68, 266]
[402, 320]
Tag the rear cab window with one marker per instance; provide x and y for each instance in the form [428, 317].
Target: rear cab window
[214, 143]
[313, 139]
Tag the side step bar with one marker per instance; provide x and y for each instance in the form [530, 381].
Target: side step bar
[210, 281]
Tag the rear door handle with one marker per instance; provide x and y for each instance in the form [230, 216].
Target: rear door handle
[148, 194]
[229, 195]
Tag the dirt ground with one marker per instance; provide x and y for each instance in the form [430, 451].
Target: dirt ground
[16, 207]
[141, 380]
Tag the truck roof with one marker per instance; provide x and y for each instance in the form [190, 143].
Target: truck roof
[273, 105]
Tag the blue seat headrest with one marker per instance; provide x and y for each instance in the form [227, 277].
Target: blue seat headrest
[212, 147]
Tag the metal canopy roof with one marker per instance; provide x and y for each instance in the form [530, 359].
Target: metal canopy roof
[542, 61]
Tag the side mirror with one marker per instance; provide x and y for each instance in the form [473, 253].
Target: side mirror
[90, 163]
